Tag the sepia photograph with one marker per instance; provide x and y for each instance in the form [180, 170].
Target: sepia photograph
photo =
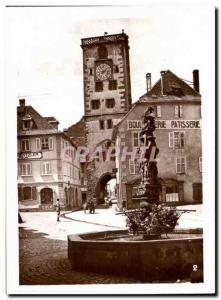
[110, 149]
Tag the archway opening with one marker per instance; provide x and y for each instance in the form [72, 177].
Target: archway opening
[106, 186]
[46, 196]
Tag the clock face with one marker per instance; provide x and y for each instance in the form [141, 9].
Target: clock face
[103, 71]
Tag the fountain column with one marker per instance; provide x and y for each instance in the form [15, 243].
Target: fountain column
[149, 189]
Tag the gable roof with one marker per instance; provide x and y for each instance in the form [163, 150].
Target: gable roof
[41, 123]
[77, 132]
[172, 85]
[115, 128]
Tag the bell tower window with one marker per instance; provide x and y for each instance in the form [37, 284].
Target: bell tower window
[112, 85]
[101, 124]
[109, 124]
[99, 86]
[110, 103]
[102, 52]
[116, 69]
[95, 104]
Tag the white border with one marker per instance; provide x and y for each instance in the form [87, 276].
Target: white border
[208, 138]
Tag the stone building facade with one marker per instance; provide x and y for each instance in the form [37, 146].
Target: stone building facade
[107, 98]
[47, 169]
[177, 109]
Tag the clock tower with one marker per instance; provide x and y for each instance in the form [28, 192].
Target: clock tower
[107, 93]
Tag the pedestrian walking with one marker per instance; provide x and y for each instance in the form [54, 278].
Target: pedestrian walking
[58, 210]
[85, 206]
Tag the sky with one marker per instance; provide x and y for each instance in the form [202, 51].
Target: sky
[44, 56]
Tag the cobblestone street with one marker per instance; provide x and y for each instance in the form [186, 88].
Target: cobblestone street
[43, 246]
[44, 261]
[43, 255]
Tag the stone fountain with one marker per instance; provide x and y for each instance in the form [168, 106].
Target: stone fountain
[152, 250]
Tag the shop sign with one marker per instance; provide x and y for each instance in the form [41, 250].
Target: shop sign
[166, 124]
[30, 155]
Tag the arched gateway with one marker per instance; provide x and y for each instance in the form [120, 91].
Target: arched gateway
[101, 186]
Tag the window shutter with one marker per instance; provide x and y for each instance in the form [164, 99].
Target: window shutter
[181, 111]
[159, 111]
[170, 139]
[23, 169]
[177, 165]
[135, 136]
[28, 169]
[183, 164]
[28, 145]
[176, 111]
[18, 169]
[131, 166]
[49, 168]
[181, 139]
[34, 193]
[23, 145]
[38, 144]
[18, 146]
[51, 143]
[43, 168]
[19, 193]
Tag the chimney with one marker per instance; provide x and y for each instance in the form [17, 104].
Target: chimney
[162, 88]
[196, 84]
[148, 81]
[22, 102]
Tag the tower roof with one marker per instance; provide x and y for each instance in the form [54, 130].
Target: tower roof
[104, 39]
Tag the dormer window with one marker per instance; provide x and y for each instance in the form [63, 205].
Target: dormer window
[27, 122]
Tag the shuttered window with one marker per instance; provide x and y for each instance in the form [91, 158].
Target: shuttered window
[178, 111]
[25, 145]
[38, 144]
[34, 193]
[51, 143]
[26, 169]
[180, 165]
[159, 111]
[131, 166]
[200, 165]
[176, 139]
[46, 168]
[134, 166]
[45, 144]
[135, 139]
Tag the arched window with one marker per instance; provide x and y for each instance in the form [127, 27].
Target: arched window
[102, 52]
[46, 196]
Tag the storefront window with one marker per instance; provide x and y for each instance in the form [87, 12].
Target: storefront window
[27, 193]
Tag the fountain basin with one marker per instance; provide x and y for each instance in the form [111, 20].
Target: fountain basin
[178, 256]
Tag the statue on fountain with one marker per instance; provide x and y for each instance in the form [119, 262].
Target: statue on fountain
[152, 218]
[148, 143]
